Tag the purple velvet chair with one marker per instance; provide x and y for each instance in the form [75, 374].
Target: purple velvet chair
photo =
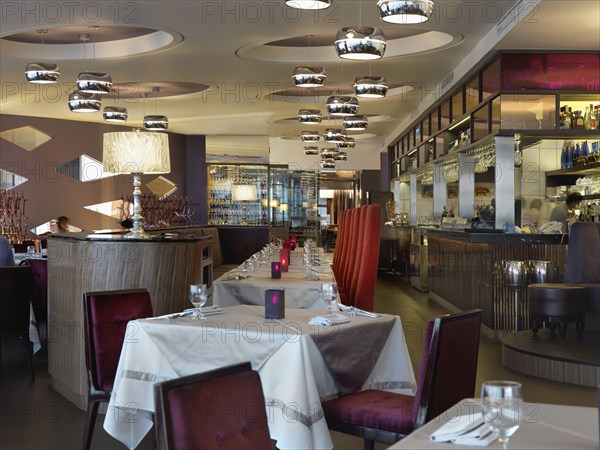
[446, 376]
[106, 316]
[222, 409]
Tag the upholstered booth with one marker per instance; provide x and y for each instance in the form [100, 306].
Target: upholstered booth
[107, 314]
[580, 292]
[446, 376]
[223, 408]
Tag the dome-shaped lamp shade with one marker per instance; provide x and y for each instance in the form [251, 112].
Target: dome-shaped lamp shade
[328, 166]
[360, 43]
[311, 151]
[356, 123]
[42, 73]
[310, 116]
[333, 136]
[309, 76]
[156, 123]
[94, 82]
[405, 11]
[348, 142]
[370, 87]
[342, 105]
[309, 136]
[115, 114]
[308, 4]
[341, 156]
[81, 102]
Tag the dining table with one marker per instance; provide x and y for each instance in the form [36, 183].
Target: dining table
[249, 289]
[541, 426]
[300, 365]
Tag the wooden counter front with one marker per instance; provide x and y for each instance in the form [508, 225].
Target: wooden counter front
[80, 263]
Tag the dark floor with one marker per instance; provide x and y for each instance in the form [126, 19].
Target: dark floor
[33, 416]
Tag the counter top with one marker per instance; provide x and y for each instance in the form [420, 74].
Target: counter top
[497, 238]
[83, 236]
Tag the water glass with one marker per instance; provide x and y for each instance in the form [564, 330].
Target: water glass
[327, 293]
[501, 407]
[198, 296]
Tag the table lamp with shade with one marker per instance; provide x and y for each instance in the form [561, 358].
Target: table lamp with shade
[136, 153]
[244, 193]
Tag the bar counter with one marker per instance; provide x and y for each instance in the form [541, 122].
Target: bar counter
[462, 276]
[80, 262]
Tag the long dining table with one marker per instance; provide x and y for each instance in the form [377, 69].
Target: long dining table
[299, 365]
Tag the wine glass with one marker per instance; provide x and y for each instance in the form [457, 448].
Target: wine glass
[327, 295]
[501, 404]
[198, 296]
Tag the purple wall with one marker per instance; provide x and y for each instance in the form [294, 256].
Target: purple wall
[50, 194]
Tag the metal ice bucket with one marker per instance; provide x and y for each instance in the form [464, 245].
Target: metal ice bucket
[515, 274]
[541, 272]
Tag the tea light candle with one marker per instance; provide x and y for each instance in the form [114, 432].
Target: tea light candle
[276, 270]
[284, 259]
[274, 304]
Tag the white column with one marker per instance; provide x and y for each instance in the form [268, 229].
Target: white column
[413, 199]
[466, 185]
[439, 191]
[505, 181]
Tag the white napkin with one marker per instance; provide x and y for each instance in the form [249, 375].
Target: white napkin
[465, 430]
[329, 320]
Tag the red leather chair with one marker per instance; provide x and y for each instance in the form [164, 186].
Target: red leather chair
[358, 258]
[106, 316]
[342, 278]
[446, 376]
[339, 242]
[363, 293]
[39, 269]
[222, 409]
[16, 286]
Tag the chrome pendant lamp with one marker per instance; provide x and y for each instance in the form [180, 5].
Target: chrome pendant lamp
[42, 72]
[342, 105]
[348, 142]
[334, 136]
[309, 76]
[82, 102]
[328, 166]
[308, 4]
[341, 156]
[360, 43]
[370, 87]
[310, 116]
[356, 123]
[309, 136]
[155, 122]
[405, 11]
[93, 82]
[115, 114]
[311, 151]
[328, 153]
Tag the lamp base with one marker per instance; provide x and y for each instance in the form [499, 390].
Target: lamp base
[137, 234]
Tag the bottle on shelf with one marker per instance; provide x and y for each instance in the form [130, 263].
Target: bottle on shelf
[564, 156]
[565, 118]
[586, 118]
[593, 121]
[571, 117]
[578, 123]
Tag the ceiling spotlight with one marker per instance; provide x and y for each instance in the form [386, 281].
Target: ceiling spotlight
[360, 43]
[340, 156]
[356, 123]
[370, 87]
[311, 151]
[342, 105]
[333, 136]
[115, 114]
[309, 76]
[347, 142]
[308, 4]
[310, 116]
[42, 73]
[82, 102]
[156, 123]
[309, 136]
[405, 11]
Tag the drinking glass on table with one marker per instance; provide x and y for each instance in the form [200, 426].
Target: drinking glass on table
[501, 407]
[327, 293]
[198, 296]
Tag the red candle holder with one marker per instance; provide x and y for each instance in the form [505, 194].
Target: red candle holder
[284, 259]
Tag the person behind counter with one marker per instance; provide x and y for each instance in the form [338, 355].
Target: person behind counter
[562, 213]
[6, 253]
[63, 224]
[531, 215]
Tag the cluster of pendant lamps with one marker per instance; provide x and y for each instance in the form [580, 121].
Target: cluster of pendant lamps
[357, 43]
[91, 85]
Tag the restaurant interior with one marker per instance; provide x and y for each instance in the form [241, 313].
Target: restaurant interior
[300, 224]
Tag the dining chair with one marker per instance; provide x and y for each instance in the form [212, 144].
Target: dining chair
[39, 269]
[16, 286]
[106, 315]
[221, 409]
[446, 376]
[339, 241]
[363, 282]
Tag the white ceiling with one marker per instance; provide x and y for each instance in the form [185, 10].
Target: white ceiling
[212, 33]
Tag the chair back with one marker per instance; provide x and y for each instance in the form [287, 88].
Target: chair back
[16, 286]
[448, 366]
[106, 316]
[339, 241]
[583, 257]
[39, 269]
[221, 409]
[364, 294]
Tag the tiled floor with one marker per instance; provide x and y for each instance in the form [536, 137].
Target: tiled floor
[33, 416]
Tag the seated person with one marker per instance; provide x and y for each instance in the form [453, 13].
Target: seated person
[63, 224]
[6, 253]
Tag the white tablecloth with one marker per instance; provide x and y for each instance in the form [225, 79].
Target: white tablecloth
[294, 374]
[299, 293]
[33, 331]
[543, 426]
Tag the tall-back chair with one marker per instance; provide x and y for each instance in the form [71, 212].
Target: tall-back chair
[339, 241]
[363, 294]
[221, 409]
[446, 376]
[16, 290]
[106, 316]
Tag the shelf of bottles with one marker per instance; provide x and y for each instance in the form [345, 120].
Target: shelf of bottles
[302, 197]
[238, 194]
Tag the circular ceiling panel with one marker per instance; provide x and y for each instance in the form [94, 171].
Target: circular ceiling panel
[292, 93]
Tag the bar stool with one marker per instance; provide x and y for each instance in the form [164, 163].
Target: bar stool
[557, 304]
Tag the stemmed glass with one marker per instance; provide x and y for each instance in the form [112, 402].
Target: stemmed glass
[328, 295]
[501, 405]
[198, 296]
